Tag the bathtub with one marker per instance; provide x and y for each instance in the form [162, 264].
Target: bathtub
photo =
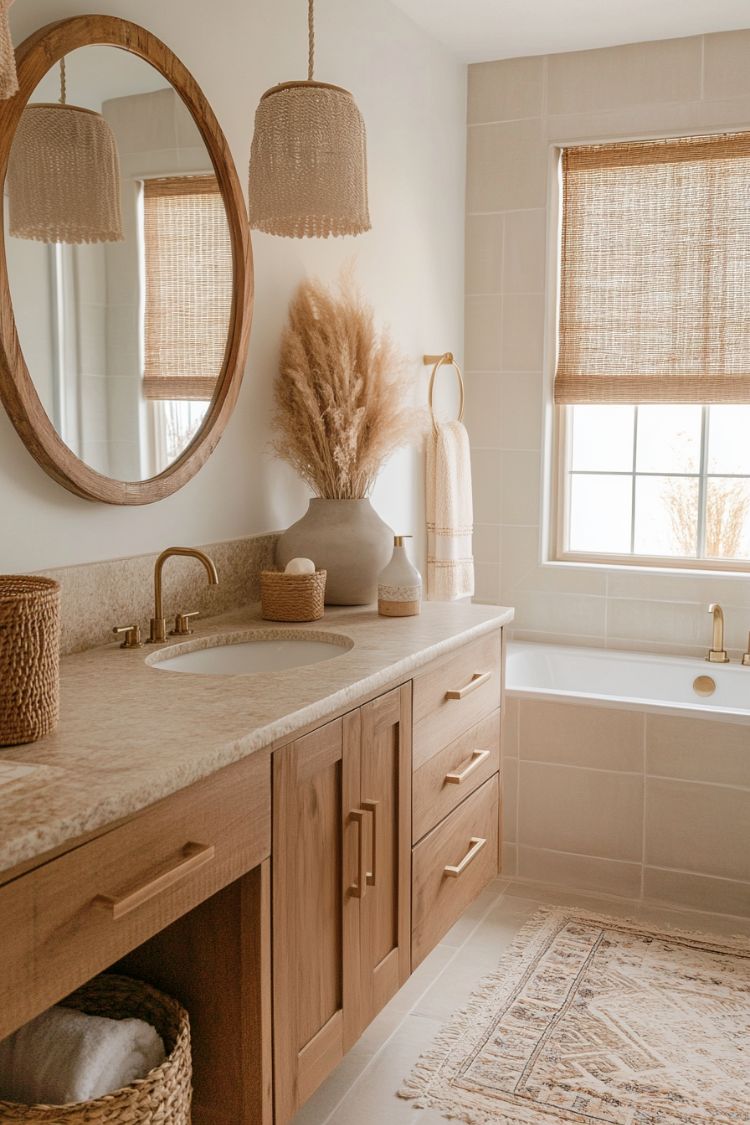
[671, 684]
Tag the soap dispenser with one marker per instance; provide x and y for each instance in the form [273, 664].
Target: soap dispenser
[399, 584]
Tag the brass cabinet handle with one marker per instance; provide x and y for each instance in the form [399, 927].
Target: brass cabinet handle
[358, 890]
[372, 807]
[475, 682]
[477, 757]
[194, 856]
[477, 843]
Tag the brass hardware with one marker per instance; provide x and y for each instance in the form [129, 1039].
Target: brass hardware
[475, 682]
[158, 632]
[477, 757]
[704, 685]
[477, 843]
[193, 857]
[746, 657]
[132, 635]
[182, 624]
[372, 807]
[717, 654]
[360, 887]
[447, 359]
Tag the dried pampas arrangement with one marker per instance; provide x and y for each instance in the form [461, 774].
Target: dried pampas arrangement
[341, 406]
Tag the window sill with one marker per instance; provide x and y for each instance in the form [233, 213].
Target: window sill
[699, 568]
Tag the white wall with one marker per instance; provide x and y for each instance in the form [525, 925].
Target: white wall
[412, 95]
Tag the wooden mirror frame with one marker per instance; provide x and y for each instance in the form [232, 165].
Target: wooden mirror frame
[34, 58]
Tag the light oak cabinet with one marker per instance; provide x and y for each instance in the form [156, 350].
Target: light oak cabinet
[341, 888]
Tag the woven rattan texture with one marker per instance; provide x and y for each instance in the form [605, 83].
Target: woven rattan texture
[292, 597]
[162, 1097]
[655, 282]
[64, 177]
[29, 658]
[308, 164]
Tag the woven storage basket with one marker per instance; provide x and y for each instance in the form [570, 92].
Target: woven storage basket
[292, 597]
[162, 1097]
[29, 657]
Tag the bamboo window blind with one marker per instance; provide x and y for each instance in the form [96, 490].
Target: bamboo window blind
[655, 272]
[188, 266]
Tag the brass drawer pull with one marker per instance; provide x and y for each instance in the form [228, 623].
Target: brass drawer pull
[477, 843]
[475, 682]
[194, 856]
[372, 807]
[477, 757]
[359, 888]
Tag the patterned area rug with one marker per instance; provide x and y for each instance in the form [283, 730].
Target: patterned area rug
[598, 1021]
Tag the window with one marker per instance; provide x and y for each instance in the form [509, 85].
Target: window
[653, 372]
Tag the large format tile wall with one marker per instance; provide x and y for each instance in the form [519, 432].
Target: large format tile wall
[645, 806]
[520, 111]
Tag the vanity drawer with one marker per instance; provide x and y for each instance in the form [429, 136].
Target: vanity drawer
[452, 865]
[454, 694]
[65, 921]
[453, 773]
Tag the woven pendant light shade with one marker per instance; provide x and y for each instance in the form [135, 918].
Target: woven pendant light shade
[64, 176]
[308, 161]
[8, 77]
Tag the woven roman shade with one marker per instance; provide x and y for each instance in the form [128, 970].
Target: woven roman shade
[655, 272]
[188, 265]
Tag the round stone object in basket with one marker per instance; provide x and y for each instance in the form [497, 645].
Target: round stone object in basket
[347, 539]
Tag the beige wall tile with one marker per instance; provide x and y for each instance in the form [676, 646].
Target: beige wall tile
[561, 618]
[482, 411]
[525, 252]
[486, 543]
[484, 253]
[599, 737]
[509, 728]
[482, 333]
[672, 622]
[698, 750]
[588, 812]
[485, 476]
[510, 798]
[606, 876]
[505, 90]
[667, 70]
[726, 73]
[679, 587]
[519, 550]
[650, 120]
[697, 891]
[519, 487]
[486, 583]
[522, 346]
[519, 414]
[507, 167]
[700, 828]
[508, 862]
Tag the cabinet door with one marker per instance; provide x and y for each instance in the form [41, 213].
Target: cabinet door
[385, 790]
[316, 849]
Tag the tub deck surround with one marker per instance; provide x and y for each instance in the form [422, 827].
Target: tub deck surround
[130, 734]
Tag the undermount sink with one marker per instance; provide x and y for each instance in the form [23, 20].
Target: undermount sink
[246, 653]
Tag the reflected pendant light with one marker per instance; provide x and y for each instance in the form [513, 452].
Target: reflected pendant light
[8, 76]
[308, 162]
[64, 175]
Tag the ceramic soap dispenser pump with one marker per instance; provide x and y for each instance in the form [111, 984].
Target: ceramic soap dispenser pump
[399, 584]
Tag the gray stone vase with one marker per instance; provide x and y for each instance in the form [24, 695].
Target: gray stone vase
[346, 538]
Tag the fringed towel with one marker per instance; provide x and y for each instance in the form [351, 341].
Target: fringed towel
[450, 513]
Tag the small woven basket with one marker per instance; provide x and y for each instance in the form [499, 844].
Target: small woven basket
[292, 597]
[162, 1097]
[29, 657]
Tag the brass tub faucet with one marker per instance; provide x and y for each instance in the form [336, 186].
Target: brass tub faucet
[158, 632]
[717, 654]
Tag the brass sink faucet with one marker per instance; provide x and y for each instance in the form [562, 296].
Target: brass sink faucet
[182, 623]
[717, 654]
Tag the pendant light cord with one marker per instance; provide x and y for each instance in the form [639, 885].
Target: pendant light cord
[310, 38]
[63, 84]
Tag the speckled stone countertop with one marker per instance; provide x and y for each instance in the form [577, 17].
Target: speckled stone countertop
[130, 734]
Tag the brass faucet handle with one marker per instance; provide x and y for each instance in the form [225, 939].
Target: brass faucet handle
[746, 657]
[132, 635]
[182, 624]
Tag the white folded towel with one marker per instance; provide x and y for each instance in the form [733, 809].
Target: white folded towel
[450, 513]
[67, 1056]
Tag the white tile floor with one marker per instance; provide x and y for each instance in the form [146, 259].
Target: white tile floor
[362, 1089]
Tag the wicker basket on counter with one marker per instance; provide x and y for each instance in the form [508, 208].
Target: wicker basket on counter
[162, 1097]
[29, 657]
[292, 597]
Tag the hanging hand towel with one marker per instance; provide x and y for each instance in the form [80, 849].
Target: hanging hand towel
[450, 513]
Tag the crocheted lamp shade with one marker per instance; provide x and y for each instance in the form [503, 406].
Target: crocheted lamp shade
[8, 77]
[64, 177]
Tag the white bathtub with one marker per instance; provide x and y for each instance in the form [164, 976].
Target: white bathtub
[627, 679]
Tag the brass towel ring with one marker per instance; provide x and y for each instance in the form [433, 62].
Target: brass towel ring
[446, 359]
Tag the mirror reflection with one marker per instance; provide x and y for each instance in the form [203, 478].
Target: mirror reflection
[124, 339]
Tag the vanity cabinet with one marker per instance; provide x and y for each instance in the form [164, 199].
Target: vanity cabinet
[341, 888]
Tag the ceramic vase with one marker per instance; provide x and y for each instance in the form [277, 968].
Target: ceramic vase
[346, 538]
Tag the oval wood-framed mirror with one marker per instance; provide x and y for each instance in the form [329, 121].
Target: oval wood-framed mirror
[36, 57]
